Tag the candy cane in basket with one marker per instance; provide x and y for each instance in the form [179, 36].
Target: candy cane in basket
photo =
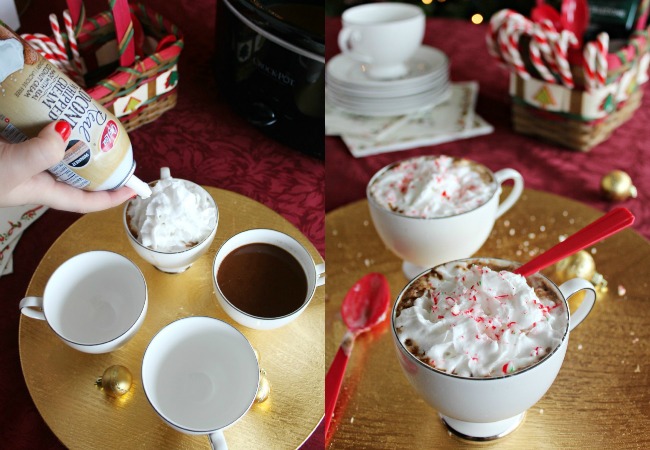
[51, 51]
[72, 39]
[504, 43]
[602, 47]
[540, 38]
[44, 45]
[536, 58]
[495, 23]
[508, 42]
[518, 25]
[589, 65]
[560, 49]
[56, 31]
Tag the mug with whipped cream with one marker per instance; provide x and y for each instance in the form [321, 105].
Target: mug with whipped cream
[482, 344]
[432, 209]
[174, 226]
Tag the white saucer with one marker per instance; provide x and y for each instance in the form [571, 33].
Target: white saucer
[418, 98]
[427, 62]
[388, 91]
[389, 108]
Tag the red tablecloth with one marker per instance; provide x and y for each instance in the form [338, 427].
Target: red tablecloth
[544, 166]
[200, 140]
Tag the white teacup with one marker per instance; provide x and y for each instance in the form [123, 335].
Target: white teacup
[382, 36]
[485, 408]
[172, 261]
[427, 242]
[95, 301]
[201, 376]
[315, 276]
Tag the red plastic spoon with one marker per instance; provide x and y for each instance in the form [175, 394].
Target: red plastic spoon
[543, 11]
[574, 17]
[365, 306]
[612, 222]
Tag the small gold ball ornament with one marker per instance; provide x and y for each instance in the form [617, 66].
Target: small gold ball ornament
[580, 265]
[617, 185]
[116, 381]
[264, 389]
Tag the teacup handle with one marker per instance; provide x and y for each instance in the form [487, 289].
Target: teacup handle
[218, 441]
[28, 307]
[320, 274]
[346, 37]
[572, 287]
[509, 174]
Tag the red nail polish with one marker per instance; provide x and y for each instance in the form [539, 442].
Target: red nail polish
[64, 129]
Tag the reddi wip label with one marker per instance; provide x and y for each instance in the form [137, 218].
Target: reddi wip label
[34, 93]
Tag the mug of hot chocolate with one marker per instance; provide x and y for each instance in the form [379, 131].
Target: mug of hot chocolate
[174, 226]
[432, 209]
[482, 344]
[264, 279]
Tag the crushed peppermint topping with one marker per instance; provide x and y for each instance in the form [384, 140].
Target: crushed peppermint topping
[430, 186]
[513, 324]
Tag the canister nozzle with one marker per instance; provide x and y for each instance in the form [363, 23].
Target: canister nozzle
[140, 187]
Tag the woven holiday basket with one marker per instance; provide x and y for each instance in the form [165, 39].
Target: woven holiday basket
[125, 57]
[575, 97]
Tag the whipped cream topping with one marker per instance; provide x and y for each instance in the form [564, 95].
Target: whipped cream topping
[178, 215]
[432, 187]
[477, 322]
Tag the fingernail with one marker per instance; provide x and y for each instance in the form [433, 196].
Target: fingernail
[64, 129]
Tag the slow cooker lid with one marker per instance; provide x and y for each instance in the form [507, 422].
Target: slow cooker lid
[299, 23]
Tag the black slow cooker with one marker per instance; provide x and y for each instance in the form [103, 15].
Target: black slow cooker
[270, 67]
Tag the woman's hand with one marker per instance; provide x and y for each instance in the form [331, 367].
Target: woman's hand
[24, 178]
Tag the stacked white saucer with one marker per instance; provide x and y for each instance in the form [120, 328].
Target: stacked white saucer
[426, 84]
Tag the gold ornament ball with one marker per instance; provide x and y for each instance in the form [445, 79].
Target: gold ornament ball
[617, 185]
[116, 381]
[578, 265]
[264, 389]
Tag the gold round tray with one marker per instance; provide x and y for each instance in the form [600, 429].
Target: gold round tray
[61, 380]
[600, 396]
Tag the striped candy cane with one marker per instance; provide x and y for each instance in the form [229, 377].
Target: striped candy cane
[37, 41]
[76, 58]
[589, 65]
[56, 31]
[602, 49]
[508, 39]
[520, 25]
[560, 49]
[504, 44]
[543, 33]
[495, 23]
[50, 50]
[536, 59]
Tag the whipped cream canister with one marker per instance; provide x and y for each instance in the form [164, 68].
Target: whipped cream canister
[34, 93]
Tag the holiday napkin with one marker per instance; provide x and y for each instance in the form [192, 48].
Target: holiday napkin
[13, 221]
[452, 120]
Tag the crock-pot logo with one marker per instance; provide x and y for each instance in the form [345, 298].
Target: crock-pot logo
[282, 77]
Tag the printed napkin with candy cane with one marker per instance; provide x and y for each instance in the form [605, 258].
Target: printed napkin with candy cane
[13, 221]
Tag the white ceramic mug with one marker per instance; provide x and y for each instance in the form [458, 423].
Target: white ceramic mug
[172, 262]
[201, 376]
[427, 242]
[315, 275]
[382, 36]
[95, 301]
[491, 407]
